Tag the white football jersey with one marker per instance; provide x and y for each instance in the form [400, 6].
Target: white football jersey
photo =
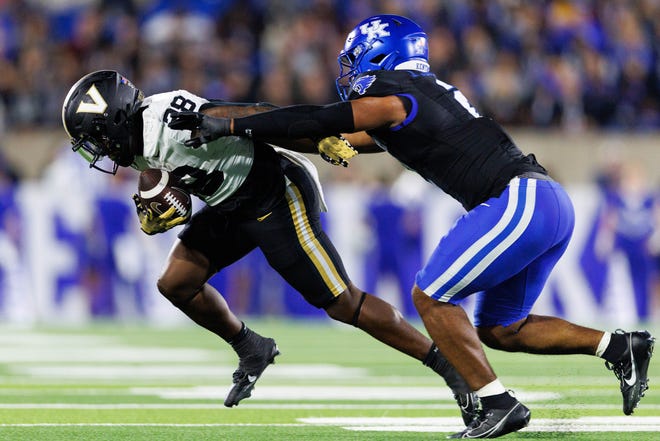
[212, 172]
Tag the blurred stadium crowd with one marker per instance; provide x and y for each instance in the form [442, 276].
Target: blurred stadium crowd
[545, 63]
[566, 65]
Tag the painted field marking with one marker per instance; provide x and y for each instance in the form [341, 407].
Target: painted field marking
[178, 371]
[448, 424]
[583, 424]
[316, 393]
[293, 406]
[152, 425]
[32, 347]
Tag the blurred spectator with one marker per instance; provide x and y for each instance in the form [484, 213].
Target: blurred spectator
[11, 256]
[627, 228]
[396, 252]
[554, 63]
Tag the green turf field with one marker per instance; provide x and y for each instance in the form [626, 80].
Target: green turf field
[124, 382]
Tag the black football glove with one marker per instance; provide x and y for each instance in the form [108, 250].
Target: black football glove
[336, 150]
[208, 128]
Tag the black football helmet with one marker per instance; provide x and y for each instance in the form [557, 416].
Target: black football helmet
[97, 115]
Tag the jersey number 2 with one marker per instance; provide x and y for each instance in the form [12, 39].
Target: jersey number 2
[458, 96]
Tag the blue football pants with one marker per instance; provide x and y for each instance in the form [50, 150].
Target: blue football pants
[503, 250]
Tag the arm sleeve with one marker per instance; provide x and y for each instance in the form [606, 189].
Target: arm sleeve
[304, 121]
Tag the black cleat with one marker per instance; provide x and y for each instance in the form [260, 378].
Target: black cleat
[493, 423]
[250, 369]
[632, 368]
[469, 405]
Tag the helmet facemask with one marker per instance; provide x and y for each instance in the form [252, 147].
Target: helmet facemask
[350, 61]
[93, 151]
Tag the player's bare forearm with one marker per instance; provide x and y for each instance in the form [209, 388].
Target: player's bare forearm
[236, 110]
[362, 142]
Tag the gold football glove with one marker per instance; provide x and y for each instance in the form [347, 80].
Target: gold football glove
[336, 150]
[151, 223]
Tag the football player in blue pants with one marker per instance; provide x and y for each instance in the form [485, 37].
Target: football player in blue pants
[256, 196]
[518, 222]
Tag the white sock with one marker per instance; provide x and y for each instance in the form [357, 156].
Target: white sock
[492, 388]
[604, 343]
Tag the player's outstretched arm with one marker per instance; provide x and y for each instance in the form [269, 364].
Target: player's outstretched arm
[226, 109]
[302, 121]
[205, 128]
[223, 109]
[203, 133]
[321, 123]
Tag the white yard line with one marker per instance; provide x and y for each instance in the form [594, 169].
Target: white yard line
[582, 424]
[177, 371]
[152, 425]
[379, 424]
[295, 406]
[80, 356]
[315, 393]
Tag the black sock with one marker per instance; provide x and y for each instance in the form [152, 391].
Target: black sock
[239, 336]
[436, 361]
[616, 349]
[500, 401]
[245, 341]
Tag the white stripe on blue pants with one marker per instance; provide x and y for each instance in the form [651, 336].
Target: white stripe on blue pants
[504, 250]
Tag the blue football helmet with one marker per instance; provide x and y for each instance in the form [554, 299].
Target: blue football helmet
[381, 42]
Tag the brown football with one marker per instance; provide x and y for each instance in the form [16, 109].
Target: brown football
[159, 191]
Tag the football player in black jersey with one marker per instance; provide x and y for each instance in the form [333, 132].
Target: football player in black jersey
[517, 226]
[257, 196]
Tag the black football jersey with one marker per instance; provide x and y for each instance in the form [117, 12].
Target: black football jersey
[444, 138]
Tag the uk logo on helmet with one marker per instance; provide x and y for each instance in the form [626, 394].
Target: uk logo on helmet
[374, 29]
[363, 83]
